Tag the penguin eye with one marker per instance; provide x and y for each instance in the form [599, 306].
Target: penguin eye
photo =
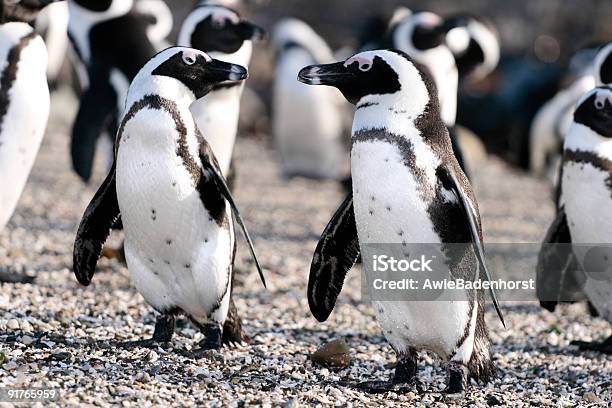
[365, 67]
[189, 59]
[599, 104]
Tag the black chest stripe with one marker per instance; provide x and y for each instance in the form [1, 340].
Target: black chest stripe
[579, 156]
[9, 75]
[209, 193]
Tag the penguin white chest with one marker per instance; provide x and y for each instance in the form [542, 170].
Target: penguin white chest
[390, 209]
[25, 109]
[587, 196]
[177, 254]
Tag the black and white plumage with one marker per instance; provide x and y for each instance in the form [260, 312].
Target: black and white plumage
[584, 216]
[307, 123]
[225, 36]
[423, 37]
[407, 187]
[474, 43]
[24, 101]
[112, 41]
[52, 23]
[176, 209]
[587, 70]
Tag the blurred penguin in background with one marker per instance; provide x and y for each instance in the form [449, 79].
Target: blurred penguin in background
[553, 120]
[24, 103]
[52, 24]
[474, 42]
[160, 18]
[225, 36]
[308, 122]
[423, 37]
[113, 41]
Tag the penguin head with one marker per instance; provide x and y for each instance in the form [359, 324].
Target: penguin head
[595, 111]
[180, 72]
[603, 66]
[419, 32]
[387, 78]
[291, 33]
[474, 43]
[215, 28]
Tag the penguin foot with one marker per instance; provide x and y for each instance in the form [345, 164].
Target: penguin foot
[457, 380]
[213, 339]
[602, 347]
[9, 277]
[164, 329]
[233, 334]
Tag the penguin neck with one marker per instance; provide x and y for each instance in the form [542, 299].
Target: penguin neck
[393, 113]
[165, 88]
[582, 138]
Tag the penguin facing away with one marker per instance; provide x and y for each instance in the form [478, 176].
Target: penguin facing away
[173, 200]
[584, 217]
[112, 41]
[24, 103]
[408, 188]
[161, 21]
[221, 33]
[307, 123]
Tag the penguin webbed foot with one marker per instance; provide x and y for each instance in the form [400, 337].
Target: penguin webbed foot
[164, 330]
[458, 376]
[213, 339]
[404, 378]
[600, 346]
[233, 334]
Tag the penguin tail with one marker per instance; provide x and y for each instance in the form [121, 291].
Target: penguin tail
[481, 367]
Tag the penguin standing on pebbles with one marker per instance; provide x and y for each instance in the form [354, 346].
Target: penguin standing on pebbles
[408, 188]
[173, 200]
[113, 41]
[221, 33]
[422, 36]
[24, 102]
[575, 259]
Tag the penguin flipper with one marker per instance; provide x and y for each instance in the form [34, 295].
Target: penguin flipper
[94, 229]
[97, 105]
[336, 253]
[557, 266]
[450, 180]
[211, 169]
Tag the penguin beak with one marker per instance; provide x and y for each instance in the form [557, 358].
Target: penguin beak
[219, 71]
[329, 74]
[249, 31]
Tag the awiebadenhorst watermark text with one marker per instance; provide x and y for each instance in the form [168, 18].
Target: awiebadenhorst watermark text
[438, 272]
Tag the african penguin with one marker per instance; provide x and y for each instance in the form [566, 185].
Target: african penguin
[221, 33]
[554, 118]
[584, 217]
[174, 202]
[474, 43]
[24, 101]
[422, 36]
[307, 123]
[407, 188]
[161, 19]
[112, 41]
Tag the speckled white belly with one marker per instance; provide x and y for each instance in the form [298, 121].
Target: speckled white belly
[587, 197]
[177, 255]
[389, 209]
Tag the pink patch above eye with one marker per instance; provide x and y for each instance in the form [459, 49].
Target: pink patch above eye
[190, 56]
[364, 63]
[220, 17]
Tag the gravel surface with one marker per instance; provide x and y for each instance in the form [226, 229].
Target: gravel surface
[57, 334]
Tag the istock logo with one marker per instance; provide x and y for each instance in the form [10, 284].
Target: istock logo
[384, 263]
